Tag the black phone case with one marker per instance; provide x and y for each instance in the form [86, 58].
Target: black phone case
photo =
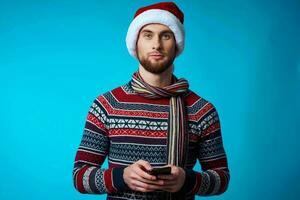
[160, 170]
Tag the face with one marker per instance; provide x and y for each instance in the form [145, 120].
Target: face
[156, 48]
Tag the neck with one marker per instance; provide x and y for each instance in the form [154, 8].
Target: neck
[157, 80]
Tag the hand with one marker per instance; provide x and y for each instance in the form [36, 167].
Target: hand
[174, 181]
[137, 178]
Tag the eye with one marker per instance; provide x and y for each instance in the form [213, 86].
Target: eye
[166, 36]
[148, 35]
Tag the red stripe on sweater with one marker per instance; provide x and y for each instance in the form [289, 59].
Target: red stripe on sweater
[137, 132]
[95, 121]
[201, 112]
[213, 164]
[191, 99]
[214, 127]
[224, 181]
[109, 181]
[79, 179]
[138, 113]
[121, 96]
[193, 138]
[89, 157]
[198, 183]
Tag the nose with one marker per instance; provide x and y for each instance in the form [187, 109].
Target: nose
[156, 43]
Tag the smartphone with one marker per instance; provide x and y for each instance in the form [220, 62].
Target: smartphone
[160, 170]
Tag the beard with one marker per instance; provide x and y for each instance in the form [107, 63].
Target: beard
[156, 67]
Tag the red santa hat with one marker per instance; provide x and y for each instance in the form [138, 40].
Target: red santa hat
[166, 13]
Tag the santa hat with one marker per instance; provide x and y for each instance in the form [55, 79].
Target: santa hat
[166, 13]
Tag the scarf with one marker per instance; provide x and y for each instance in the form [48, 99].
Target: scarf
[177, 139]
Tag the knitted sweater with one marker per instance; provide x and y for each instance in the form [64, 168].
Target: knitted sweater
[126, 127]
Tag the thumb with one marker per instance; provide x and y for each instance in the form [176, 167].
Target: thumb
[145, 165]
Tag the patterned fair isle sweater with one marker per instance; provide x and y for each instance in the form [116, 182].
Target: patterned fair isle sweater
[126, 127]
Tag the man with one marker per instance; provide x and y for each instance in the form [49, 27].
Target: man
[154, 120]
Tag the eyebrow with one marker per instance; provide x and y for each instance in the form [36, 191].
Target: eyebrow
[149, 31]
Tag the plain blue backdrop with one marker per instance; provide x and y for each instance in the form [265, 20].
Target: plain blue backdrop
[57, 56]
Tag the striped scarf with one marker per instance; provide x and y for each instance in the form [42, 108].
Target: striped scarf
[177, 131]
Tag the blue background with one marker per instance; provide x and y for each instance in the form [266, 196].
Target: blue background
[57, 56]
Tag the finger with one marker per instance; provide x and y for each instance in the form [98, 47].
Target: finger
[145, 186]
[174, 170]
[153, 182]
[169, 183]
[146, 165]
[144, 174]
[166, 177]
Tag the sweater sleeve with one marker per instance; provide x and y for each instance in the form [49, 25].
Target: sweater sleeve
[88, 176]
[214, 177]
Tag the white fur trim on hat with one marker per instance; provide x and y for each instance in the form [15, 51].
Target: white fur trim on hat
[154, 16]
